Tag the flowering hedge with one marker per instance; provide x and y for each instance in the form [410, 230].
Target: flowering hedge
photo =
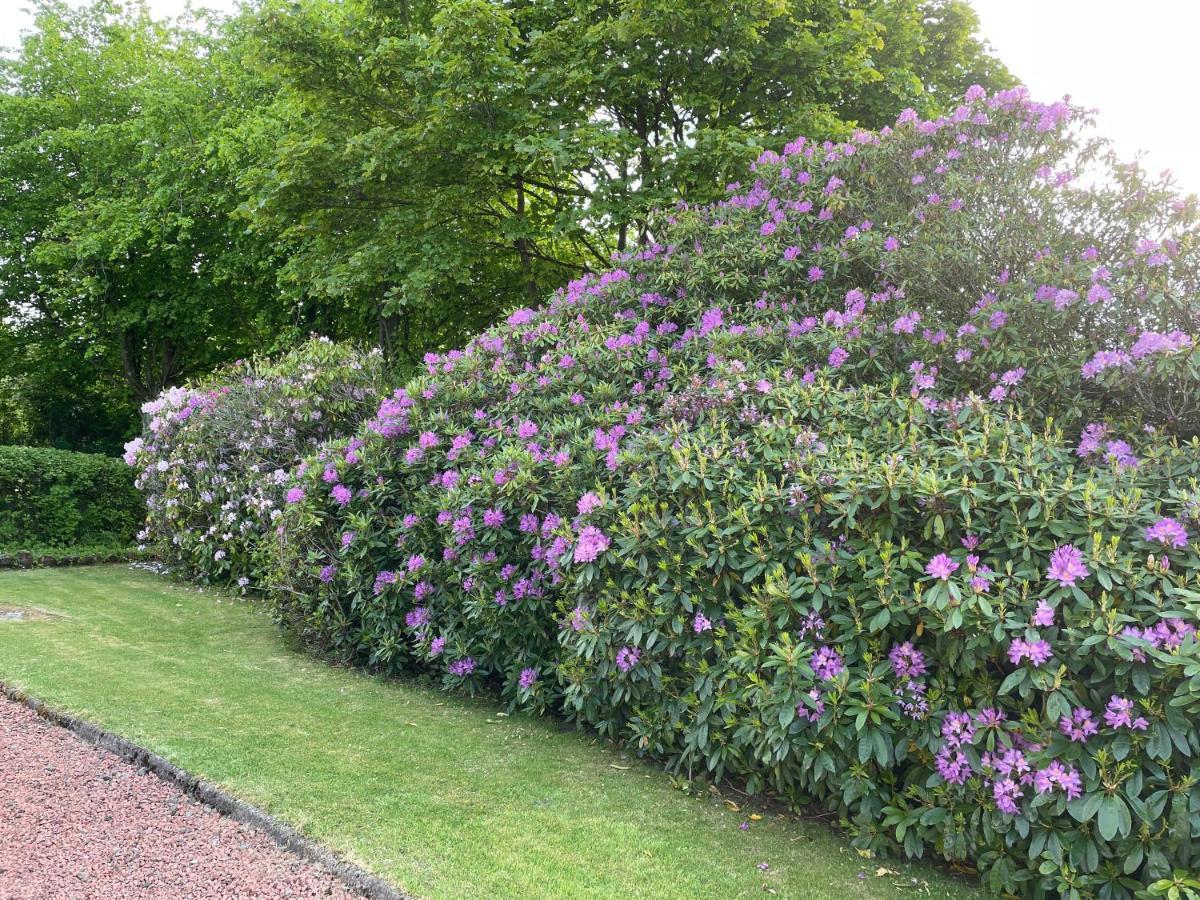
[872, 485]
[216, 455]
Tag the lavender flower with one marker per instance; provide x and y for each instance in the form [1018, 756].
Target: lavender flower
[989, 717]
[701, 623]
[1056, 775]
[1168, 532]
[907, 661]
[811, 713]
[1066, 565]
[1006, 793]
[528, 678]
[1043, 616]
[588, 503]
[590, 544]
[1079, 725]
[826, 663]
[957, 729]
[941, 566]
[952, 765]
[1119, 714]
[627, 658]
[382, 580]
[1037, 652]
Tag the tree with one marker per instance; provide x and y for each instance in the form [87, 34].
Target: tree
[116, 241]
[436, 162]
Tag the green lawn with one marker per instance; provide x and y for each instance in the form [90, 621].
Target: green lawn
[441, 795]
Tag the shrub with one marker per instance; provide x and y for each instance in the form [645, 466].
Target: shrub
[59, 498]
[215, 454]
[872, 485]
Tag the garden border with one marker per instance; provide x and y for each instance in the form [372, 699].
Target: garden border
[286, 837]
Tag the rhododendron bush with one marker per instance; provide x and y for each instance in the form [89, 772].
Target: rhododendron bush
[873, 485]
[216, 456]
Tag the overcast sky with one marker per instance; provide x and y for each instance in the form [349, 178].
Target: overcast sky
[1137, 62]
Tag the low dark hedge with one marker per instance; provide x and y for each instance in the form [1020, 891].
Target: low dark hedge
[59, 498]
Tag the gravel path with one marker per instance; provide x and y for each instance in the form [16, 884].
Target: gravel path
[78, 822]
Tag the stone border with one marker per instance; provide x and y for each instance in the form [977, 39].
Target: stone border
[290, 840]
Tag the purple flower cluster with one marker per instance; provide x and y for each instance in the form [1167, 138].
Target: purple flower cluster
[1043, 616]
[1168, 532]
[941, 566]
[907, 661]
[627, 658]
[382, 580]
[1119, 714]
[1038, 652]
[813, 709]
[826, 663]
[1166, 634]
[1079, 725]
[590, 544]
[1066, 566]
[908, 665]
[1057, 776]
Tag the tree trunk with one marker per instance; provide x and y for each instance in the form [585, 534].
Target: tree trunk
[531, 291]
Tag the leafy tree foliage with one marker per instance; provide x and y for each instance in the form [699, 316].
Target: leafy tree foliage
[122, 270]
[174, 195]
[435, 162]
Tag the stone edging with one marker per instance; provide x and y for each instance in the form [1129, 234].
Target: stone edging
[285, 836]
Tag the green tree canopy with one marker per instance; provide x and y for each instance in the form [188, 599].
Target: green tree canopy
[121, 267]
[435, 162]
[173, 195]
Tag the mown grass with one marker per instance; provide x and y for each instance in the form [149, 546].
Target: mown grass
[441, 795]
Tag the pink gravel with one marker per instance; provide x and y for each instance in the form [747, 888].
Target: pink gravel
[78, 822]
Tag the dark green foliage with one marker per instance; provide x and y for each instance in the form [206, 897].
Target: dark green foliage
[61, 498]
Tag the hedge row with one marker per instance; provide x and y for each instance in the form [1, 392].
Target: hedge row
[59, 498]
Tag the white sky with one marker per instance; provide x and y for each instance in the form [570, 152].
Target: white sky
[1138, 63]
